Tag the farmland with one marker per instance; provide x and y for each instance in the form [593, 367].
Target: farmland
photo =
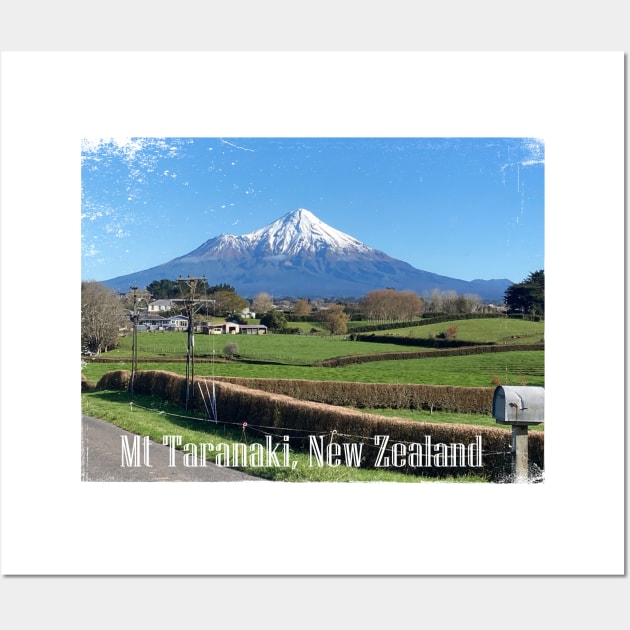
[502, 353]
[277, 356]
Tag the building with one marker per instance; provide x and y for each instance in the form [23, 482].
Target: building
[161, 305]
[232, 328]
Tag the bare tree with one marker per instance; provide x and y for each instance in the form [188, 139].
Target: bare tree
[452, 304]
[303, 307]
[102, 317]
[408, 305]
[262, 303]
[391, 305]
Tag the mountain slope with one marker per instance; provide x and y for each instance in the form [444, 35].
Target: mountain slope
[301, 256]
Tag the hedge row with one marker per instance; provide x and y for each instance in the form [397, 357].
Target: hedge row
[86, 385]
[279, 415]
[452, 352]
[418, 341]
[377, 395]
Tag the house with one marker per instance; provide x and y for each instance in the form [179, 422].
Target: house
[161, 305]
[151, 321]
[177, 322]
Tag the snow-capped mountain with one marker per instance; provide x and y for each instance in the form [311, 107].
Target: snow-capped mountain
[301, 256]
[296, 233]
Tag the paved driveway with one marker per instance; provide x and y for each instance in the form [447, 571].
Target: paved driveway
[102, 458]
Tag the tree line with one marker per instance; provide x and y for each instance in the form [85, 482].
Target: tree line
[105, 313]
[528, 296]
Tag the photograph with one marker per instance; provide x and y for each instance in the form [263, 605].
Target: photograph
[313, 309]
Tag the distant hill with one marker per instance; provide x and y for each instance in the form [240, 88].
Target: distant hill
[301, 256]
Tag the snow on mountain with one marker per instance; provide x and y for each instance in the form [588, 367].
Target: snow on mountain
[301, 232]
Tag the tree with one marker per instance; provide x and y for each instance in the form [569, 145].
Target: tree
[102, 317]
[451, 303]
[227, 303]
[164, 289]
[262, 303]
[392, 305]
[140, 301]
[528, 296]
[168, 289]
[230, 350]
[335, 319]
[302, 307]
[274, 320]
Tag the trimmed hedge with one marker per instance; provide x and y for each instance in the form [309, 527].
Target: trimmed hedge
[86, 385]
[376, 395]
[269, 413]
[450, 352]
[399, 340]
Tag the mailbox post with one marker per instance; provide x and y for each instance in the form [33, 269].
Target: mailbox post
[519, 407]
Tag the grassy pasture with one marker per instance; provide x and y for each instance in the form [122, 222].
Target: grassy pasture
[305, 349]
[508, 331]
[289, 349]
[290, 356]
[479, 370]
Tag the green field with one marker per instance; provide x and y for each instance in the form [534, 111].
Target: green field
[304, 349]
[504, 331]
[479, 370]
[289, 349]
[291, 356]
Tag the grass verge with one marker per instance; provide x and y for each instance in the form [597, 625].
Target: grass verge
[419, 415]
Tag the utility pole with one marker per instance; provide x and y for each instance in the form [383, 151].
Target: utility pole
[189, 309]
[134, 342]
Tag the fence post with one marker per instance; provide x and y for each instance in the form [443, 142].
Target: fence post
[520, 455]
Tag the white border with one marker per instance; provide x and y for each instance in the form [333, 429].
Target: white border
[54, 524]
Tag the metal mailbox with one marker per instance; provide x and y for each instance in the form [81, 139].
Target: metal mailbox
[518, 405]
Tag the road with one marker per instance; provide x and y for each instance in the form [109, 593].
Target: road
[103, 455]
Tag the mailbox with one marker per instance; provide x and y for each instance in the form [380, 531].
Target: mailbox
[519, 405]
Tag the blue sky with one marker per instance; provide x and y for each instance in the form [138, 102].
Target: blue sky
[460, 207]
